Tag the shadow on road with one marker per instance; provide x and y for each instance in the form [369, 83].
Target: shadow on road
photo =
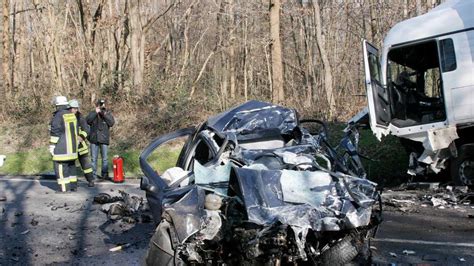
[13, 225]
[119, 233]
[51, 184]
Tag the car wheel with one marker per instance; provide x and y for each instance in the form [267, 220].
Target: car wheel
[462, 167]
[160, 250]
[342, 253]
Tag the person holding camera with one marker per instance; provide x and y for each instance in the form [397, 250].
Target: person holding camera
[100, 121]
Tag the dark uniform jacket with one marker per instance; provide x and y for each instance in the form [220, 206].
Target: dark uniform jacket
[64, 135]
[84, 132]
[84, 129]
[99, 127]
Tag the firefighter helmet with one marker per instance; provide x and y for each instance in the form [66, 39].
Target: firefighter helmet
[60, 100]
[73, 103]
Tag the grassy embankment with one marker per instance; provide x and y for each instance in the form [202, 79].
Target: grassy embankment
[38, 161]
[388, 166]
[27, 153]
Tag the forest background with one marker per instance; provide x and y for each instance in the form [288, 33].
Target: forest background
[166, 64]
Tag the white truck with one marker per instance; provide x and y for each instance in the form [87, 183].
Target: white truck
[421, 89]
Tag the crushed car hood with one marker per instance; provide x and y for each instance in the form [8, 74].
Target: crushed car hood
[260, 157]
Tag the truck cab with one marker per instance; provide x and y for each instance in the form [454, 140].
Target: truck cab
[421, 88]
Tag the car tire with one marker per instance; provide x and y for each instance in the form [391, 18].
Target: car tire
[462, 166]
[342, 253]
[160, 250]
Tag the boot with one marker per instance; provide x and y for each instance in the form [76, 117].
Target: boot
[105, 176]
[90, 179]
[73, 186]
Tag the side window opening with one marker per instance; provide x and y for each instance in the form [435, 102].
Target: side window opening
[203, 149]
[414, 80]
[202, 153]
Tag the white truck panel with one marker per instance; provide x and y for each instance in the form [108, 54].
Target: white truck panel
[459, 84]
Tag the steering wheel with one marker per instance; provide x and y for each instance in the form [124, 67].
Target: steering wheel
[319, 128]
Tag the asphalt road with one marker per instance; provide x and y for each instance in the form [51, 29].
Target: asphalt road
[436, 236]
[71, 229]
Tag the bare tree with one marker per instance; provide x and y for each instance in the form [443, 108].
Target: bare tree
[137, 43]
[6, 47]
[190, 58]
[328, 86]
[276, 50]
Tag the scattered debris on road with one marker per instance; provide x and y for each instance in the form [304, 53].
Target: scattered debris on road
[408, 252]
[120, 247]
[103, 198]
[430, 257]
[441, 197]
[438, 202]
[126, 208]
[34, 222]
[422, 185]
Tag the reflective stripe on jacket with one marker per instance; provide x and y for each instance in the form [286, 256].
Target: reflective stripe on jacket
[83, 148]
[64, 134]
[84, 129]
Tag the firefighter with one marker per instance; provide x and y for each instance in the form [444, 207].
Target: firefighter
[64, 145]
[83, 149]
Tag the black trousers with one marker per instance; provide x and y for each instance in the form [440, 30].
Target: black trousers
[66, 175]
[85, 161]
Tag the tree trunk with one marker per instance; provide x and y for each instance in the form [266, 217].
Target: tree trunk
[325, 60]
[13, 52]
[246, 52]
[55, 60]
[418, 7]
[373, 20]
[405, 9]
[277, 62]
[135, 44]
[6, 49]
[232, 41]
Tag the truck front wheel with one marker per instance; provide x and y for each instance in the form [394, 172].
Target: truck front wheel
[462, 167]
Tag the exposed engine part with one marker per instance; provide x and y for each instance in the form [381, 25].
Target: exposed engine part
[213, 202]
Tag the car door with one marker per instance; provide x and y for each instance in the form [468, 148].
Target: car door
[378, 96]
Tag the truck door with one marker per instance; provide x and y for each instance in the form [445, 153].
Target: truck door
[377, 95]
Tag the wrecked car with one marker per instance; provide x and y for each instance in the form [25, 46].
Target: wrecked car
[256, 185]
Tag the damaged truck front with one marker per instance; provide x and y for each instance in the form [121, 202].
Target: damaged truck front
[253, 185]
[422, 89]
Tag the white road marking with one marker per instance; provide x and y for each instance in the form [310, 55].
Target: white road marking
[54, 181]
[422, 242]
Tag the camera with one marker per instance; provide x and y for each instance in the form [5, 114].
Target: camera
[101, 104]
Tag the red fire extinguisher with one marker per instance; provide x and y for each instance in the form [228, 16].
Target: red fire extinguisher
[118, 169]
